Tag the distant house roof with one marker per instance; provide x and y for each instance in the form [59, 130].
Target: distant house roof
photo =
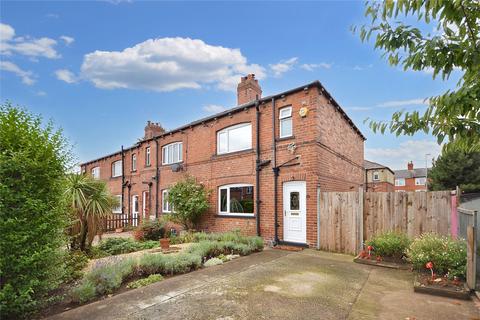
[415, 173]
[370, 165]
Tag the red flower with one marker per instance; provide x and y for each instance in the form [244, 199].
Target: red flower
[369, 248]
[429, 265]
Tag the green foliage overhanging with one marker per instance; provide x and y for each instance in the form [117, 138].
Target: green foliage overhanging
[454, 116]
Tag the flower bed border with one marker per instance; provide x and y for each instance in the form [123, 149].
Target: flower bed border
[384, 264]
[441, 291]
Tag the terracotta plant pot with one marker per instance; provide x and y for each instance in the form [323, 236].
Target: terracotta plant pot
[118, 230]
[165, 243]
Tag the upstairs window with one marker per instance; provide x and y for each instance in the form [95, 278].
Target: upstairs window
[234, 138]
[236, 199]
[118, 209]
[147, 157]
[96, 173]
[172, 153]
[134, 162]
[420, 181]
[285, 116]
[117, 168]
[400, 182]
[376, 176]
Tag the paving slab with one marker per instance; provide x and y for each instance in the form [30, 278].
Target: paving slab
[277, 284]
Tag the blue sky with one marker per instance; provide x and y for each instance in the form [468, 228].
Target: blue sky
[100, 70]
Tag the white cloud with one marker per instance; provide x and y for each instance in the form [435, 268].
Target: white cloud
[68, 40]
[403, 103]
[168, 64]
[6, 32]
[283, 66]
[66, 75]
[393, 104]
[361, 68]
[26, 76]
[213, 108]
[410, 150]
[52, 16]
[312, 66]
[27, 46]
[41, 93]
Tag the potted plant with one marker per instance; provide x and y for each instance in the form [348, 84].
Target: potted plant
[164, 240]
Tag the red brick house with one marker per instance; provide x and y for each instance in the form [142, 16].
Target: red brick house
[264, 161]
[378, 178]
[412, 179]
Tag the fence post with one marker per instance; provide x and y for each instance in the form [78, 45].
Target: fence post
[454, 215]
[361, 194]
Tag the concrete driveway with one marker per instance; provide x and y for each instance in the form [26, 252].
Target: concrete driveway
[278, 284]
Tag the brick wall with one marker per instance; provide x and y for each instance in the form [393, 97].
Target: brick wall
[330, 157]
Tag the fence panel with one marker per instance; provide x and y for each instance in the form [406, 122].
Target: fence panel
[411, 212]
[117, 221]
[339, 221]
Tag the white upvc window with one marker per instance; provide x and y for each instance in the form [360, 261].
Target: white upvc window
[420, 181]
[234, 138]
[118, 209]
[172, 153]
[134, 162]
[166, 207]
[96, 173]
[376, 176]
[236, 199]
[286, 124]
[400, 182]
[117, 168]
[147, 157]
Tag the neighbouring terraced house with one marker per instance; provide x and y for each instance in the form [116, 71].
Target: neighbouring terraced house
[265, 161]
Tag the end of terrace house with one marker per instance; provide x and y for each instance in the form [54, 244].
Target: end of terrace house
[264, 160]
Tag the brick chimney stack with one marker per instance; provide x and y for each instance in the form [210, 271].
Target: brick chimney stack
[410, 165]
[153, 129]
[248, 89]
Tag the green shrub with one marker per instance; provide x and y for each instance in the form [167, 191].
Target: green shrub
[145, 281]
[104, 279]
[75, 262]
[33, 162]
[189, 200]
[86, 291]
[448, 256]
[114, 246]
[213, 262]
[390, 244]
[150, 230]
[169, 264]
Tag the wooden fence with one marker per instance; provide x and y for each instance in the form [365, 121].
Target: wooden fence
[349, 218]
[411, 212]
[116, 221]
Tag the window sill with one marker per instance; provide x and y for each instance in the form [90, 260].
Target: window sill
[171, 164]
[148, 165]
[285, 138]
[234, 153]
[116, 177]
[236, 216]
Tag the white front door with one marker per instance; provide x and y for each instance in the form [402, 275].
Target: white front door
[295, 211]
[135, 211]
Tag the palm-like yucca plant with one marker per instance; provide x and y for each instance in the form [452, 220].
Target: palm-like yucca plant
[89, 201]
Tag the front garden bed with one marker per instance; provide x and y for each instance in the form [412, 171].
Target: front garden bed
[386, 262]
[126, 272]
[441, 286]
